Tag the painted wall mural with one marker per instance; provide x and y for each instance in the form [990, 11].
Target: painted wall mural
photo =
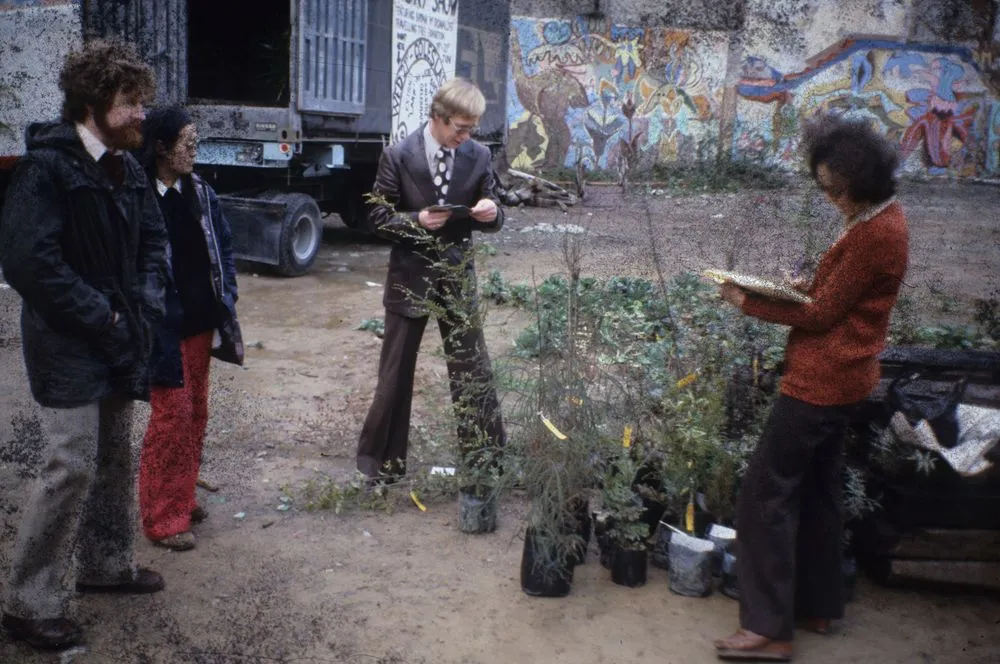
[569, 79]
[931, 99]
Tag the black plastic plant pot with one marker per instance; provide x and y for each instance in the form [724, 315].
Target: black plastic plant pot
[653, 512]
[628, 567]
[661, 546]
[583, 527]
[539, 579]
[603, 523]
[476, 514]
[730, 586]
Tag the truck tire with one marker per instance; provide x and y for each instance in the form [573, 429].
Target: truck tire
[301, 234]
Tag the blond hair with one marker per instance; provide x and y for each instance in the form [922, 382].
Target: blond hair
[458, 97]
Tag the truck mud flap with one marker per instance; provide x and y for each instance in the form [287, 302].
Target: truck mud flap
[256, 227]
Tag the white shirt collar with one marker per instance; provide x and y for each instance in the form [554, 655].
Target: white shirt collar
[162, 189]
[431, 146]
[93, 145]
[870, 213]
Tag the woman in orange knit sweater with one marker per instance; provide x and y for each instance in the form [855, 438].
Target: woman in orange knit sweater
[789, 518]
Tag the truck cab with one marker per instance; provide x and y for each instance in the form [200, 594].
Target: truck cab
[294, 100]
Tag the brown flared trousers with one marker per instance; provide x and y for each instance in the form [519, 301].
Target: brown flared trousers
[384, 437]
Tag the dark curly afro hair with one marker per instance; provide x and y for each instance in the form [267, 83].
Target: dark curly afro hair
[855, 152]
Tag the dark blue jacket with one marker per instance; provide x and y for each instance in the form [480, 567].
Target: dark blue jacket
[76, 248]
[167, 368]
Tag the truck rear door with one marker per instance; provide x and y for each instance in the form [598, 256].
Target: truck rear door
[332, 56]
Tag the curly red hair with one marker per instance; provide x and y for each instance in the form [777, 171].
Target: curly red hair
[94, 74]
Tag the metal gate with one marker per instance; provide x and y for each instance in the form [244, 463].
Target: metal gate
[333, 55]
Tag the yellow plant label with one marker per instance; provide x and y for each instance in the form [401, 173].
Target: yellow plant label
[687, 380]
[551, 427]
[416, 501]
[627, 437]
[689, 517]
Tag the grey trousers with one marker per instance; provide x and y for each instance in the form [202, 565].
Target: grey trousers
[83, 502]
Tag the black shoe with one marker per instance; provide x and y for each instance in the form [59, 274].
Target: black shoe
[198, 514]
[145, 581]
[50, 634]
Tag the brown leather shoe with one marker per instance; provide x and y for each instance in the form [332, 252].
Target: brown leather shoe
[198, 514]
[145, 581]
[206, 485]
[745, 645]
[179, 542]
[49, 634]
[815, 625]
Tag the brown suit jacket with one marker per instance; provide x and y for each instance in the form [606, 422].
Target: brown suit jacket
[404, 187]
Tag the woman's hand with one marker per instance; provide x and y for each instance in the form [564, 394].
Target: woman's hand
[732, 294]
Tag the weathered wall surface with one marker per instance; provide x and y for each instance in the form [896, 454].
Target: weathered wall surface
[917, 79]
[31, 91]
[743, 76]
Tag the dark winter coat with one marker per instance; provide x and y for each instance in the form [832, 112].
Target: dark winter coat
[76, 249]
[167, 362]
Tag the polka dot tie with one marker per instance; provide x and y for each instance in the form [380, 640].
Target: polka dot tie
[442, 174]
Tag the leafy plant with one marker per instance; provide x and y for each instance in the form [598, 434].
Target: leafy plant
[373, 325]
[327, 493]
[623, 504]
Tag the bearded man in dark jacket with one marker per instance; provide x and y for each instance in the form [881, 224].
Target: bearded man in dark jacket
[83, 243]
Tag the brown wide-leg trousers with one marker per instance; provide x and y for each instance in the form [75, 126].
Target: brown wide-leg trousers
[790, 521]
[384, 436]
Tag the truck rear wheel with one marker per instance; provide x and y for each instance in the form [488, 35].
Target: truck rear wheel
[301, 234]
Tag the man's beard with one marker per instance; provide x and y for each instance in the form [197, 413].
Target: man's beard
[125, 137]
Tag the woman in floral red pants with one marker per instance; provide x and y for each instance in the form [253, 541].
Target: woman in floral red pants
[201, 295]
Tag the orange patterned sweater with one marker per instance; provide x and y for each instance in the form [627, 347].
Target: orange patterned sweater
[832, 353]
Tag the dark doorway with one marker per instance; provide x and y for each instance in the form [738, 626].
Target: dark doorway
[238, 52]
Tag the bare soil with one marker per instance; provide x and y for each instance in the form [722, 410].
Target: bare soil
[406, 587]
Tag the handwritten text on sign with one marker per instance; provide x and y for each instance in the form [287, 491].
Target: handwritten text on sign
[424, 43]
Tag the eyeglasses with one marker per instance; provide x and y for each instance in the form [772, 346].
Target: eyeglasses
[463, 129]
[190, 146]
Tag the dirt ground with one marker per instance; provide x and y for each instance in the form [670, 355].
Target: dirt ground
[266, 585]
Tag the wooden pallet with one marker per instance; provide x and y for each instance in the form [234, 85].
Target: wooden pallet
[940, 369]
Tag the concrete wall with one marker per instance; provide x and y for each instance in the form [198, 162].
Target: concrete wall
[31, 93]
[742, 76]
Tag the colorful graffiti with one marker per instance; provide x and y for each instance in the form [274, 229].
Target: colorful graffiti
[931, 99]
[569, 80]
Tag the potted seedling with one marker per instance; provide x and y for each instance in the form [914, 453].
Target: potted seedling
[479, 491]
[628, 531]
[557, 472]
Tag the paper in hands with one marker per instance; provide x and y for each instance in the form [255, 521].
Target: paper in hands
[454, 211]
[759, 285]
